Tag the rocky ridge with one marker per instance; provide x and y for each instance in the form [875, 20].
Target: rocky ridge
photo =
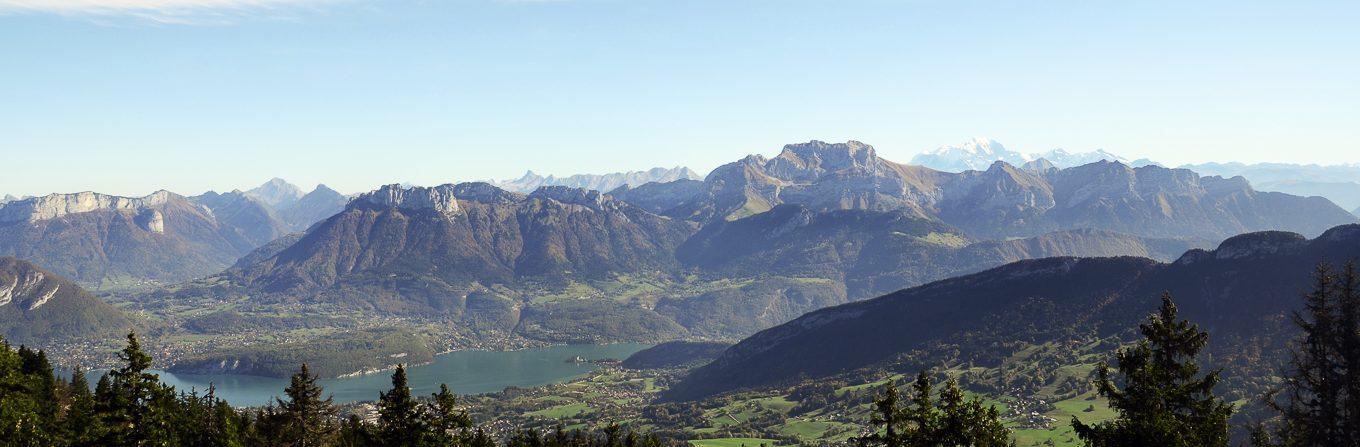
[1000, 201]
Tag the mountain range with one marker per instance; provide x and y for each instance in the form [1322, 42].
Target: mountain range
[598, 182]
[471, 232]
[1002, 201]
[979, 153]
[1241, 292]
[483, 255]
[756, 243]
[1339, 183]
[103, 240]
[291, 207]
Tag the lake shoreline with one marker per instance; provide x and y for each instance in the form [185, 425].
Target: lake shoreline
[465, 371]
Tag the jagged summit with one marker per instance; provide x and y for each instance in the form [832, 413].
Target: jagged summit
[589, 198]
[445, 198]
[833, 154]
[439, 198]
[483, 192]
[996, 199]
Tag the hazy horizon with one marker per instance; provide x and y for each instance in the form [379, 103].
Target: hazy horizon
[132, 96]
[308, 185]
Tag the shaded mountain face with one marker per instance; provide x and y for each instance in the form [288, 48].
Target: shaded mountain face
[39, 306]
[675, 354]
[252, 221]
[659, 197]
[1004, 201]
[296, 210]
[1159, 202]
[874, 252]
[599, 182]
[96, 238]
[457, 235]
[314, 207]
[1241, 292]
[1356, 212]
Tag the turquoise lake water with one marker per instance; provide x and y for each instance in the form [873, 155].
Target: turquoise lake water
[466, 372]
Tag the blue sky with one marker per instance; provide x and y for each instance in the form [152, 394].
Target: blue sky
[129, 96]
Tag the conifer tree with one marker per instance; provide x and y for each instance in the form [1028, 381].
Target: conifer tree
[400, 420]
[447, 424]
[1321, 389]
[955, 422]
[42, 384]
[21, 423]
[1348, 298]
[967, 422]
[1164, 400]
[305, 419]
[888, 415]
[920, 421]
[139, 408]
[81, 421]
[355, 433]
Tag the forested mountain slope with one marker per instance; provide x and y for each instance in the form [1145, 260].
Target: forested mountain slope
[38, 305]
[1240, 292]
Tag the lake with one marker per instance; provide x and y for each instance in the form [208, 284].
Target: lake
[466, 372]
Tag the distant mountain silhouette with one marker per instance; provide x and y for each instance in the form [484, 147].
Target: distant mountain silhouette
[598, 182]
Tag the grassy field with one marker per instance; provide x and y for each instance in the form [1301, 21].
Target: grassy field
[732, 442]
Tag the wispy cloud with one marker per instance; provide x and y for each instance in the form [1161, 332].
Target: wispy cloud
[166, 11]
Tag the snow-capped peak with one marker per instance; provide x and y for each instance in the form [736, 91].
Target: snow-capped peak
[978, 153]
[972, 155]
[1064, 159]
